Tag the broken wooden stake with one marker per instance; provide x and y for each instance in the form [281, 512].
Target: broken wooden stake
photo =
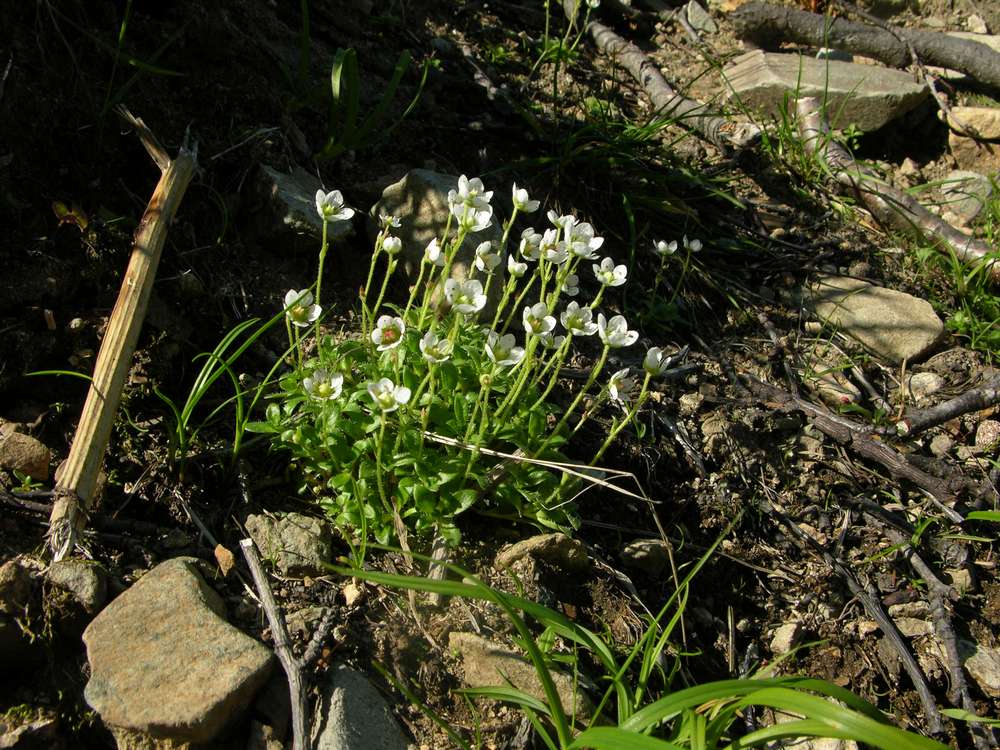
[77, 484]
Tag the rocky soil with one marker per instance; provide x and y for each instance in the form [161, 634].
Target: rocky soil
[800, 426]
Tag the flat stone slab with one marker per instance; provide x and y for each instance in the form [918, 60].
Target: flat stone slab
[298, 544]
[893, 325]
[556, 549]
[867, 96]
[165, 663]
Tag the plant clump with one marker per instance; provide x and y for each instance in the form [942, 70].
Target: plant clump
[440, 406]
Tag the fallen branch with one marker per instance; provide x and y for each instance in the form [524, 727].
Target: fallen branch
[283, 647]
[981, 397]
[768, 25]
[76, 487]
[847, 432]
[889, 206]
[723, 133]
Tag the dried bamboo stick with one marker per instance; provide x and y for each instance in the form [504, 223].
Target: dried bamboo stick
[78, 481]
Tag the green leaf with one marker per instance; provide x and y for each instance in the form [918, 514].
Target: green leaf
[613, 738]
[265, 428]
[983, 515]
[465, 499]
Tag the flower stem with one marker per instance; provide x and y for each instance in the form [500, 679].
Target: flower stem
[385, 285]
[319, 276]
[579, 397]
[618, 426]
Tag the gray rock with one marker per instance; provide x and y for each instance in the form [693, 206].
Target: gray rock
[987, 433]
[983, 665]
[557, 549]
[785, 637]
[292, 202]
[353, 715]
[969, 153]
[299, 545]
[866, 95]
[165, 663]
[487, 664]
[647, 555]
[23, 453]
[965, 194]
[15, 586]
[913, 627]
[893, 325]
[921, 385]
[941, 445]
[420, 202]
[303, 621]
[84, 580]
[699, 18]
[40, 731]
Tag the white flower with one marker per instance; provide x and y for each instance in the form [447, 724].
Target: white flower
[388, 396]
[300, 309]
[594, 4]
[392, 245]
[656, 361]
[330, 206]
[537, 319]
[663, 248]
[609, 274]
[501, 349]
[578, 320]
[582, 241]
[321, 385]
[486, 259]
[564, 223]
[472, 219]
[571, 285]
[615, 333]
[471, 193]
[387, 221]
[531, 242]
[693, 246]
[515, 268]
[433, 253]
[550, 341]
[466, 297]
[521, 201]
[620, 386]
[470, 204]
[388, 332]
[552, 248]
[435, 349]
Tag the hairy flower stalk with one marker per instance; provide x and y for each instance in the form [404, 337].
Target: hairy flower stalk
[620, 424]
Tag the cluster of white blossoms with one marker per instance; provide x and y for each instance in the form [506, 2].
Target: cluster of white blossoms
[565, 244]
[665, 249]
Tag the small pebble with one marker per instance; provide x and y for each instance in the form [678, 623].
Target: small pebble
[987, 433]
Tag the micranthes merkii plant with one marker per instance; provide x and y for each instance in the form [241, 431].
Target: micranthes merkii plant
[388, 427]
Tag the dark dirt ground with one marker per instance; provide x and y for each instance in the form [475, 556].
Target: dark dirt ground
[224, 262]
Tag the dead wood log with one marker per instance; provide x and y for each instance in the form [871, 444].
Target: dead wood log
[283, 647]
[721, 132]
[78, 481]
[890, 207]
[846, 432]
[768, 25]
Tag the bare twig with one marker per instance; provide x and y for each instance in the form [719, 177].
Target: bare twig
[78, 483]
[886, 203]
[873, 607]
[845, 431]
[283, 647]
[982, 397]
